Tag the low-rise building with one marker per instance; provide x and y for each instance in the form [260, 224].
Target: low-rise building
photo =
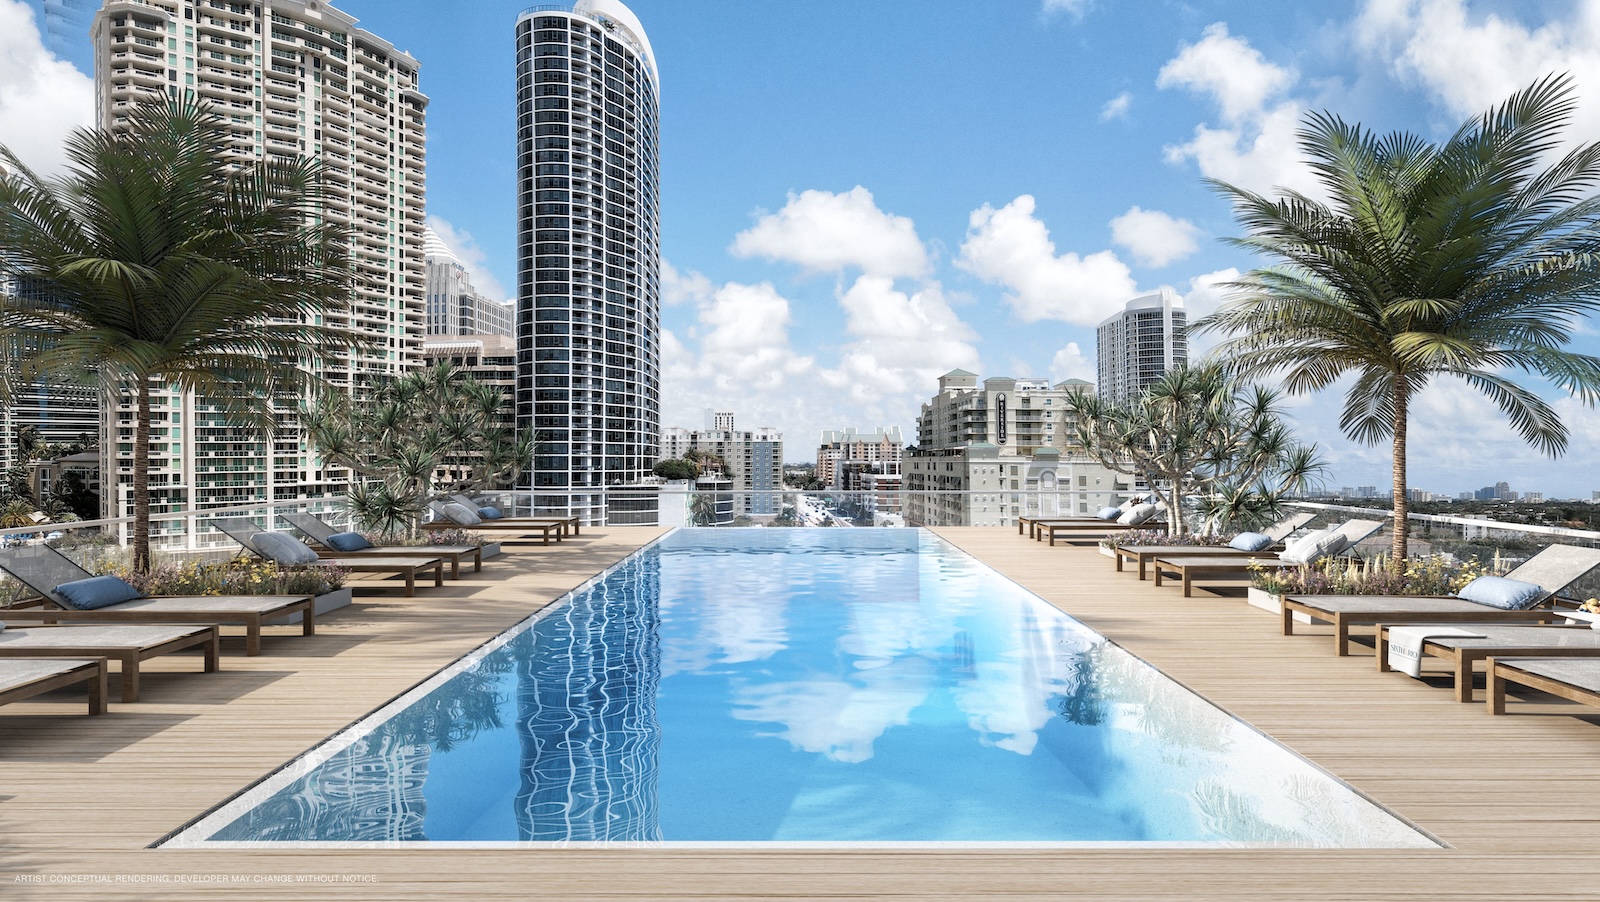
[751, 459]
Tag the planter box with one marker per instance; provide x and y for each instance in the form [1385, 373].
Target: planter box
[331, 601]
[1270, 601]
[490, 549]
[1105, 551]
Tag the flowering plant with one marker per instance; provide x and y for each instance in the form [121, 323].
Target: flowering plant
[431, 537]
[1134, 537]
[233, 577]
[1432, 575]
[1592, 606]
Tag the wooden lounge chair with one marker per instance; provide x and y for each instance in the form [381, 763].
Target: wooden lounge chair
[1574, 679]
[1144, 554]
[570, 526]
[505, 529]
[1032, 524]
[244, 531]
[1049, 531]
[42, 568]
[1498, 640]
[319, 532]
[1187, 568]
[127, 644]
[1552, 569]
[21, 678]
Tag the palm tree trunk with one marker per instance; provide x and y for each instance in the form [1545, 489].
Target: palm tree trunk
[141, 478]
[1402, 505]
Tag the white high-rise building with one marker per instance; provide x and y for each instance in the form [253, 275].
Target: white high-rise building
[455, 306]
[1137, 346]
[752, 460]
[589, 252]
[294, 78]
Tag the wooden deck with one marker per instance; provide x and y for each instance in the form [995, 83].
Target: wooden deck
[1517, 798]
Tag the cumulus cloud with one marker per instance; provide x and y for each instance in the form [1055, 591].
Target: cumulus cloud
[1012, 247]
[472, 257]
[827, 232]
[1206, 293]
[1116, 107]
[683, 287]
[1255, 145]
[42, 98]
[903, 341]
[1071, 363]
[1469, 63]
[1154, 238]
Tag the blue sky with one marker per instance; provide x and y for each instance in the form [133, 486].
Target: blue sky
[859, 196]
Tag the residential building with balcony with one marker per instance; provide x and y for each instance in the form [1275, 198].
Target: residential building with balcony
[293, 78]
[1135, 347]
[751, 459]
[988, 454]
[589, 251]
[880, 450]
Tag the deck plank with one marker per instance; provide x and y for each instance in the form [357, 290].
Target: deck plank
[1517, 798]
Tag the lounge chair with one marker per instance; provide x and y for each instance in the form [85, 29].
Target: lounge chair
[20, 679]
[1497, 640]
[248, 534]
[1552, 570]
[127, 644]
[570, 526]
[1096, 529]
[1187, 568]
[1031, 524]
[1574, 679]
[453, 515]
[43, 569]
[318, 531]
[1144, 554]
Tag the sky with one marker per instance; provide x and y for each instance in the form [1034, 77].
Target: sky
[860, 196]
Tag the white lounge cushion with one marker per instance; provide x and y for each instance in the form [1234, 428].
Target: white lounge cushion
[282, 548]
[1137, 514]
[1313, 546]
[1500, 592]
[460, 514]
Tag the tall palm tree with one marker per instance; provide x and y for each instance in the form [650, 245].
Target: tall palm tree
[160, 257]
[1465, 259]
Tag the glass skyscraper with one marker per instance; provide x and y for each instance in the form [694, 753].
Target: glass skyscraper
[589, 251]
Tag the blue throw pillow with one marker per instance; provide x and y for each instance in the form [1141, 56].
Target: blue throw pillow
[1499, 592]
[96, 592]
[347, 541]
[1251, 541]
[490, 513]
[1109, 513]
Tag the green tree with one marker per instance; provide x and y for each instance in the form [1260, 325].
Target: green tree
[1199, 431]
[677, 468]
[1465, 259]
[429, 434]
[160, 258]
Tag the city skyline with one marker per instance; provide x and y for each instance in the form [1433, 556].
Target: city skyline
[845, 217]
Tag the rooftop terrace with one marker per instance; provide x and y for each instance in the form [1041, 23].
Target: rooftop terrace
[1516, 798]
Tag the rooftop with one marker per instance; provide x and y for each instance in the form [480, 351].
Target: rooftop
[1514, 797]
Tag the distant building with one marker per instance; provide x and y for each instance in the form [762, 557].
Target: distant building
[455, 306]
[719, 420]
[879, 451]
[753, 462]
[1135, 347]
[490, 359]
[987, 455]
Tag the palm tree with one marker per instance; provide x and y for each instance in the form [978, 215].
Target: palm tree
[1464, 259]
[160, 257]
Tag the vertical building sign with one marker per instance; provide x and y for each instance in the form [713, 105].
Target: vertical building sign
[1000, 416]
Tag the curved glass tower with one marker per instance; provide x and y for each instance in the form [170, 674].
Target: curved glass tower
[589, 251]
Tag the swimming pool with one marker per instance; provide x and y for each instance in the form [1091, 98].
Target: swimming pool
[801, 686]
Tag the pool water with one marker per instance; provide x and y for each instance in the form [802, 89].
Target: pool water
[788, 685]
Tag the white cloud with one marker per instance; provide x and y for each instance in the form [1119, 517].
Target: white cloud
[1154, 238]
[902, 342]
[1074, 8]
[472, 257]
[42, 98]
[1470, 63]
[1116, 107]
[826, 232]
[1206, 293]
[1255, 147]
[1011, 247]
[1071, 363]
[683, 287]
[1235, 74]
